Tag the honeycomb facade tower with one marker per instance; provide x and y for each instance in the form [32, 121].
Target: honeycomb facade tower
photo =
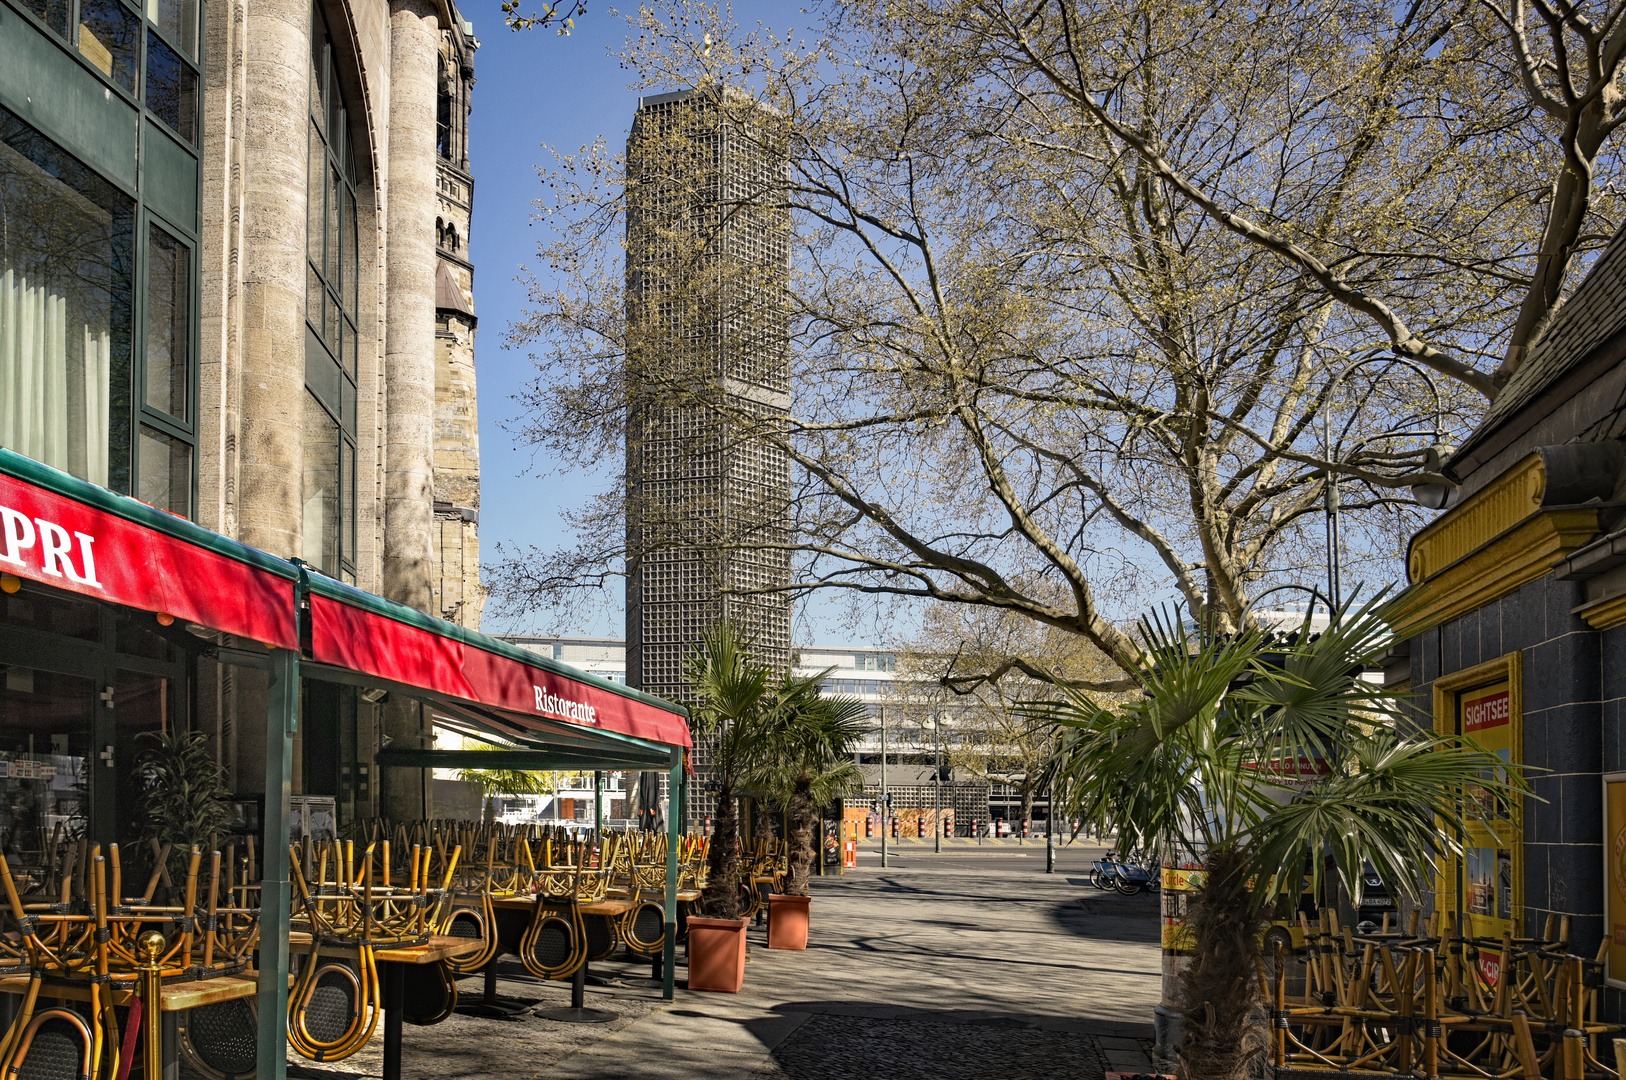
[708, 491]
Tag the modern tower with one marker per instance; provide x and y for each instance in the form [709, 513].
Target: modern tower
[707, 267]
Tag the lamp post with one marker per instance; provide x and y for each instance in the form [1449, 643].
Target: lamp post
[886, 803]
[1334, 453]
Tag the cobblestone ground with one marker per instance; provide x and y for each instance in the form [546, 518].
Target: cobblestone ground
[978, 966]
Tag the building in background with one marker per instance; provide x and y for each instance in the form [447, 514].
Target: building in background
[704, 366]
[912, 743]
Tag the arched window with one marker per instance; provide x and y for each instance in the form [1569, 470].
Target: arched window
[332, 250]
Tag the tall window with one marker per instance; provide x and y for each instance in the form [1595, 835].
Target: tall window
[66, 241]
[98, 284]
[329, 532]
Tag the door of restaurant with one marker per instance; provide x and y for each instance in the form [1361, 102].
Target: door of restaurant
[80, 682]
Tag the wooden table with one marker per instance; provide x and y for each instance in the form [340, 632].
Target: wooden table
[394, 959]
[173, 1000]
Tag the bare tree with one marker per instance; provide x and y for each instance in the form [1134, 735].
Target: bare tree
[967, 674]
[1356, 90]
[1028, 362]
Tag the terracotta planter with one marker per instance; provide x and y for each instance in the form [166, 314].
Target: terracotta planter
[717, 954]
[787, 921]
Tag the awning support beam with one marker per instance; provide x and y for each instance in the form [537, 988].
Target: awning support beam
[527, 760]
[276, 894]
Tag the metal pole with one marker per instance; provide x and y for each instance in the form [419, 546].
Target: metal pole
[1049, 830]
[886, 807]
[669, 905]
[276, 899]
[937, 793]
[598, 803]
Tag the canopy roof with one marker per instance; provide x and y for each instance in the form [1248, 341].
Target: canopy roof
[73, 535]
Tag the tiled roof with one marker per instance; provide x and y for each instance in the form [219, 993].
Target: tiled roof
[1594, 312]
[448, 296]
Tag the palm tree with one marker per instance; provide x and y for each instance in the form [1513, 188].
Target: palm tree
[504, 781]
[1256, 753]
[806, 761]
[732, 715]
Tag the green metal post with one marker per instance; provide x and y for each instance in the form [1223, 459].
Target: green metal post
[674, 837]
[276, 897]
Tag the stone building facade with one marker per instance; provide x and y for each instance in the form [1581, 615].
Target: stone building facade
[230, 238]
[458, 594]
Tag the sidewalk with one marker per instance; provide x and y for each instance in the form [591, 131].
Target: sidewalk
[920, 973]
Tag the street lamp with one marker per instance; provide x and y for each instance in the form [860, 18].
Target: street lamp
[1405, 428]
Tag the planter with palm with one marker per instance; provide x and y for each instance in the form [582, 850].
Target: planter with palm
[806, 762]
[730, 718]
[1258, 754]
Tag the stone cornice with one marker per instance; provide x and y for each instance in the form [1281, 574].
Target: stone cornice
[1521, 554]
[1488, 513]
[1603, 614]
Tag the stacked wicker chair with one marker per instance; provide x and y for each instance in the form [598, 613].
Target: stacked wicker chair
[1419, 1001]
[350, 908]
[85, 941]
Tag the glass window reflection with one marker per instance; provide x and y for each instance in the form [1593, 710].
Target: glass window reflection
[172, 88]
[320, 534]
[165, 469]
[169, 296]
[109, 37]
[178, 19]
[65, 297]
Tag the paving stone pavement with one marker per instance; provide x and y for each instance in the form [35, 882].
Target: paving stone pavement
[948, 969]
[940, 969]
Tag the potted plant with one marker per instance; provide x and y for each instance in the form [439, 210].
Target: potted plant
[731, 714]
[184, 799]
[805, 761]
[1255, 753]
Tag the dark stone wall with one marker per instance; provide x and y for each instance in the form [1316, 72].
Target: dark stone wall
[1574, 690]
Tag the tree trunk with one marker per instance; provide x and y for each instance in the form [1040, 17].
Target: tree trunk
[1027, 805]
[762, 827]
[1219, 989]
[721, 899]
[802, 850]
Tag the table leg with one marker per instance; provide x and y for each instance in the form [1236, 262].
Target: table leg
[394, 993]
[491, 981]
[577, 1013]
[171, 1045]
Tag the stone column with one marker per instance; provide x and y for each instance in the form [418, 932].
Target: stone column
[271, 450]
[409, 362]
[409, 343]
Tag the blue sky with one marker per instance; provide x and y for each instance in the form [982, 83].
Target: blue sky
[533, 88]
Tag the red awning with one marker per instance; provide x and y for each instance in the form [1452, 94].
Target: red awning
[72, 535]
[390, 645]
[210, 580]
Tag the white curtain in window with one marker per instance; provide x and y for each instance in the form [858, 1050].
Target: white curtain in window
[40, 417]
[59, 291]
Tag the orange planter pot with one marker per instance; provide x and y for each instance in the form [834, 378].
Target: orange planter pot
[787, 921]
[717, 954]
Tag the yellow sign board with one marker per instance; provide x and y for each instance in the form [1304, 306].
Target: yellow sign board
[1614, 872]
